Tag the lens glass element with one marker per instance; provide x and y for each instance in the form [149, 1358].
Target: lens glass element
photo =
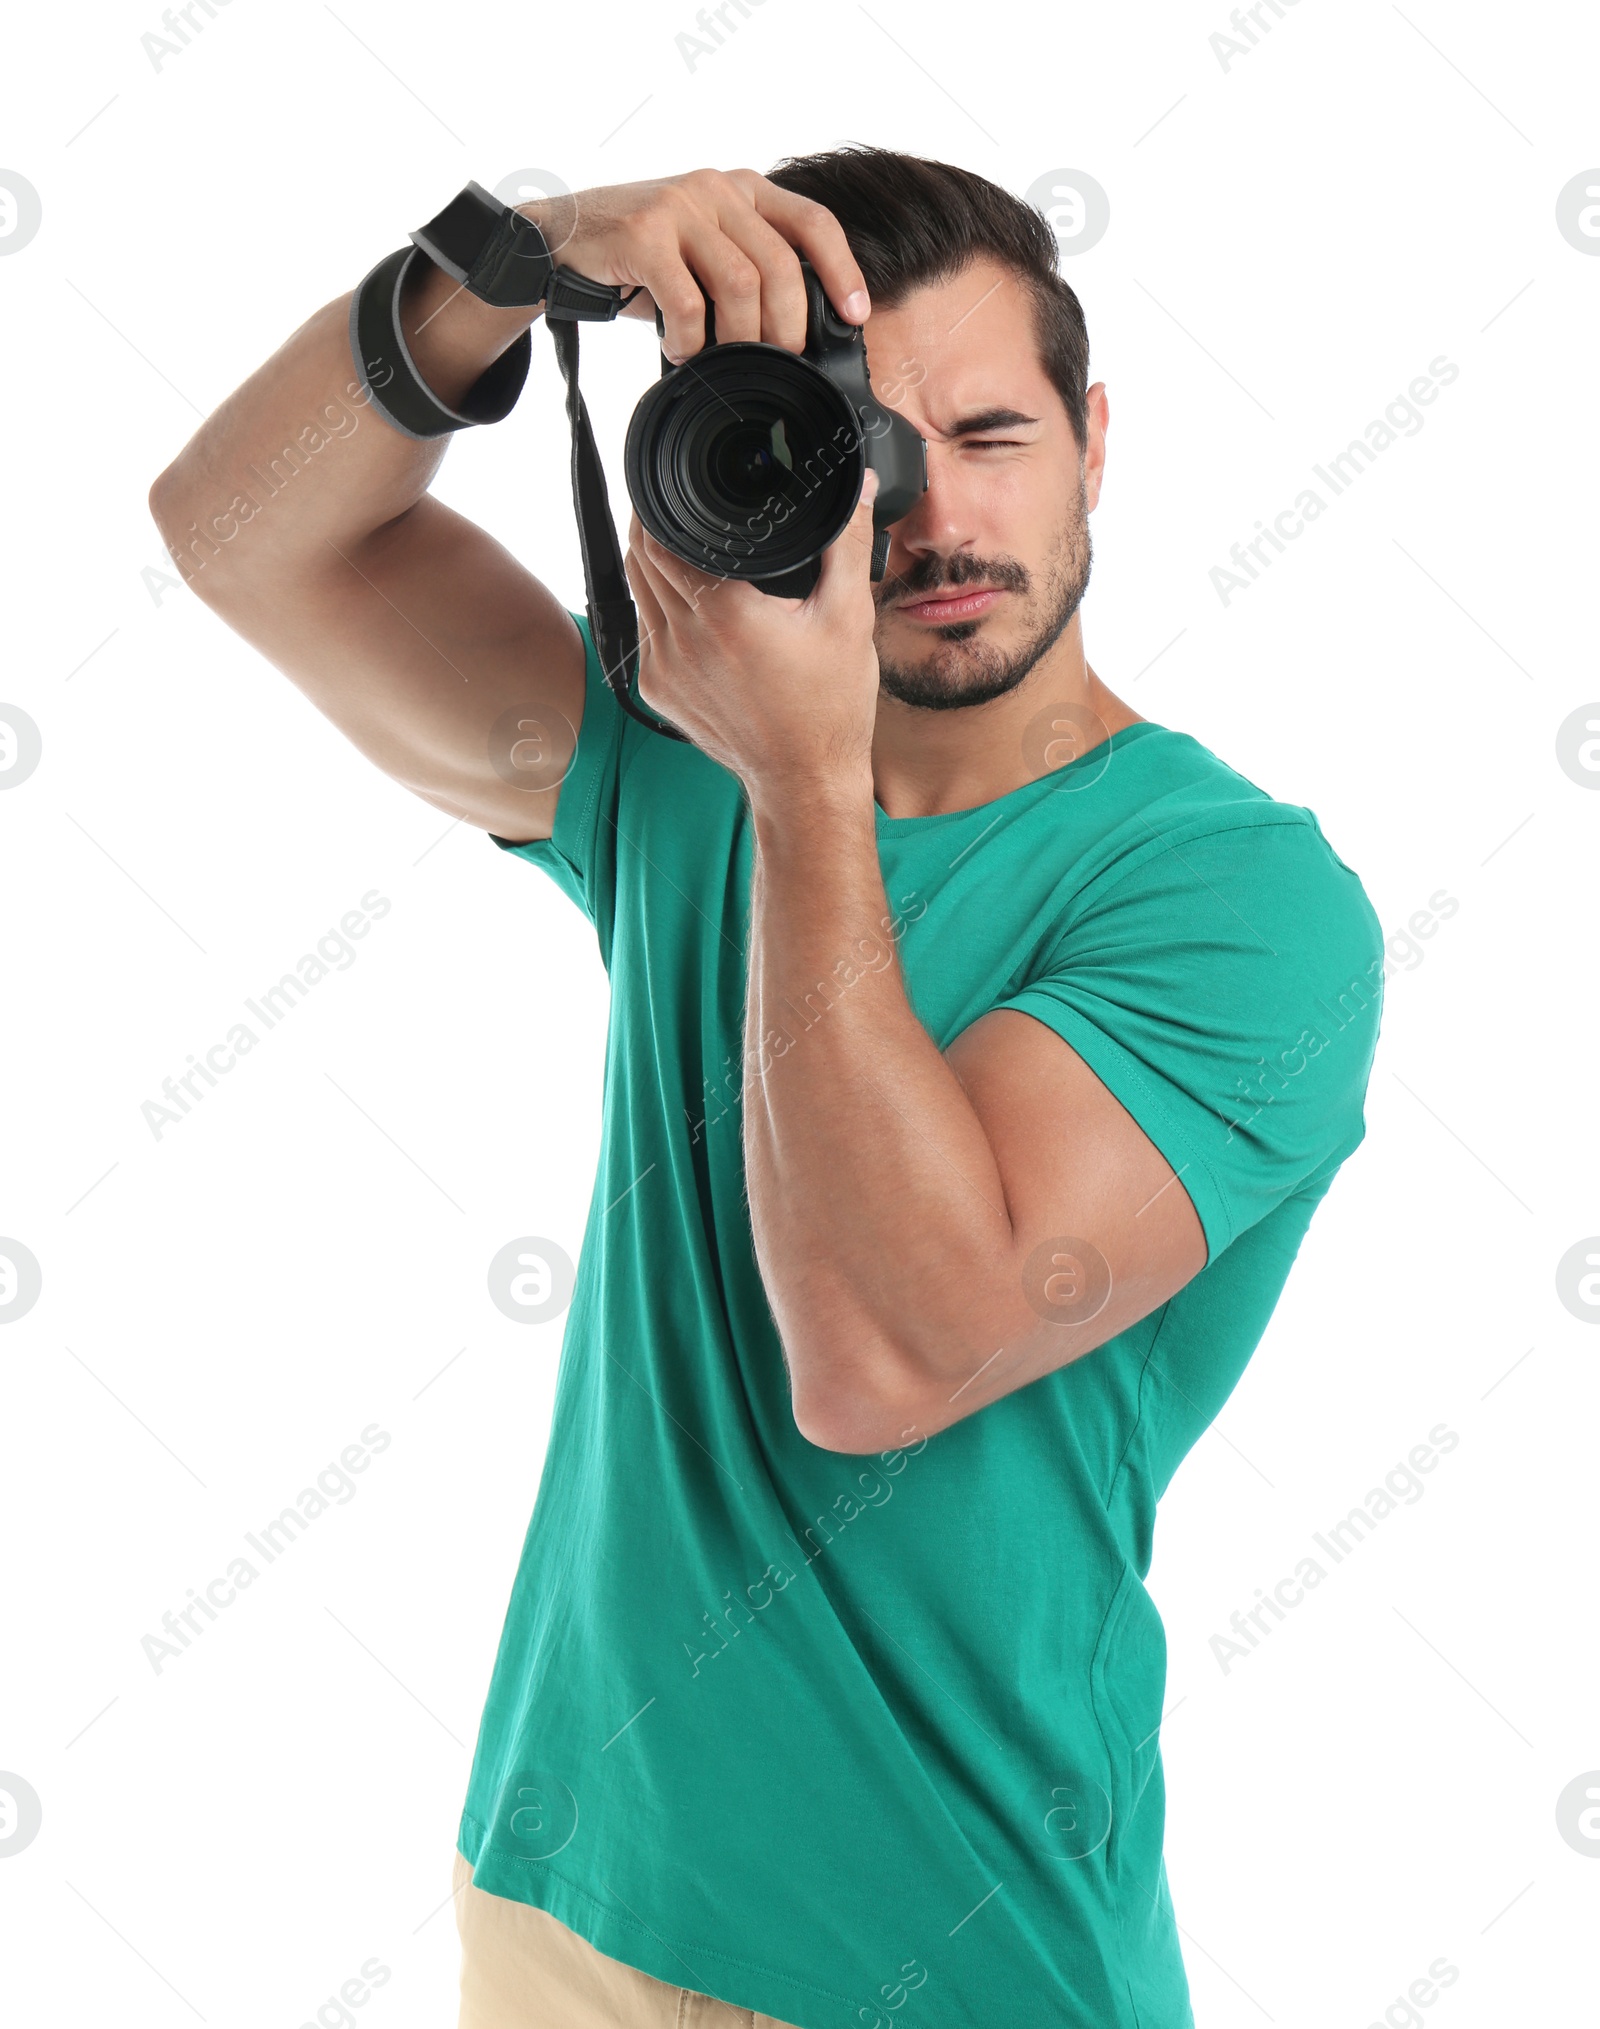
[748, 461]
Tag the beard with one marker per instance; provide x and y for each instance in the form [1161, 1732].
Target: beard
[961, 670]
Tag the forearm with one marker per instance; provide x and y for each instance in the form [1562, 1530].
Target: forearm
[298, 457]
[878, 1212]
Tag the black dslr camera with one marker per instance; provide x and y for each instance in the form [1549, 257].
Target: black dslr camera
[748, 460]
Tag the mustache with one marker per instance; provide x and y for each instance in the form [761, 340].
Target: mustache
[930, 574]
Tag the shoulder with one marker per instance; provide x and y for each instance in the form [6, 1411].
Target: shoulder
[1203, 829]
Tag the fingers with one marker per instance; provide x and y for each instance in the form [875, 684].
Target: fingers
[819, 236]
[652, 614]
[847, 561]
[651, 561]
[781, 307]
[731, 279]
[732, 235]
[739, 239]
[675, 583]
[686, 255]
[667, 275]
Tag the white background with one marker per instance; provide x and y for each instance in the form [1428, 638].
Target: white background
[1293, 239]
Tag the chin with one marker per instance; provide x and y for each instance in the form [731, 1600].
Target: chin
[942, 682]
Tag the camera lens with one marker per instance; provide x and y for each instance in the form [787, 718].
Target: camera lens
[747, 461]
[751, 470]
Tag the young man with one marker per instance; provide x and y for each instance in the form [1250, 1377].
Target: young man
[979, 1053]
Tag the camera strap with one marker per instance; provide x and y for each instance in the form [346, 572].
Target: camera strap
[613, 617]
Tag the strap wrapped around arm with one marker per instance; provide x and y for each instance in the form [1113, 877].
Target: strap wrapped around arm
[389, 373]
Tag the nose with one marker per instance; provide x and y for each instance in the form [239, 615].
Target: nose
[941, 521]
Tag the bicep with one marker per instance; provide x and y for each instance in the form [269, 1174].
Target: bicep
[1104, 1231]
[437, 654]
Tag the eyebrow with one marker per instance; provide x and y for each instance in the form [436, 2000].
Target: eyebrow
[988, 419]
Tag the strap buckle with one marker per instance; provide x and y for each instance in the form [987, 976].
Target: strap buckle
[572, 297]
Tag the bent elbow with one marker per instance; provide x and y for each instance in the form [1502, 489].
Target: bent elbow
[162, 497]
[838, 1413]
[831, 1429]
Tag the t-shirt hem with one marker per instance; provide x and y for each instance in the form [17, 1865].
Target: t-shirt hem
[633, 1943]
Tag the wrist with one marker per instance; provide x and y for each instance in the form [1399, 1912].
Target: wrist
[806, 806]
[451, 334]
[556, 217]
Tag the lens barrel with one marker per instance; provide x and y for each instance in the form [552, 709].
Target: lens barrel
[746, 461]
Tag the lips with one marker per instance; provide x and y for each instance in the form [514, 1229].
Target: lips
[965, 605]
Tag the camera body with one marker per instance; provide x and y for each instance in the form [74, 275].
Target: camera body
[748, 460]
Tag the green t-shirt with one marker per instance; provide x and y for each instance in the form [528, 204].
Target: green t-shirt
[861, 1741]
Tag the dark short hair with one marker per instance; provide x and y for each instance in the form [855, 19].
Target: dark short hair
[911, 221]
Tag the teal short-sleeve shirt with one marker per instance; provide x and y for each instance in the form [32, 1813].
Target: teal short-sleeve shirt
[854, 1741]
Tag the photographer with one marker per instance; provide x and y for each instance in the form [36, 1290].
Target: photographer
[830, 1686]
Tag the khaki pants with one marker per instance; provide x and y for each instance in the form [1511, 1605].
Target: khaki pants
[521, 1969]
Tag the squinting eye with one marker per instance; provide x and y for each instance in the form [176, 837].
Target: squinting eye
[996, 443]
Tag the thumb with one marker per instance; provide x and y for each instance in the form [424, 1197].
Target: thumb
[847, 561]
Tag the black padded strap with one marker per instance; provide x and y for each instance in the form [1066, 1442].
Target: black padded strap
[613, 619]
[490, 249]
[389, 373]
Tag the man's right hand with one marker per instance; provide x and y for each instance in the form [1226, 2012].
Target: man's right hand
[731, 230]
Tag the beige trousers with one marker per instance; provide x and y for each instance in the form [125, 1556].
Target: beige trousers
[522, 1969]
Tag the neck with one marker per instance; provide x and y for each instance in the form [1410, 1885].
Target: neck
[927, 762]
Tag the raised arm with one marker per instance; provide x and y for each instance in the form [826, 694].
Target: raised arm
[302, 517]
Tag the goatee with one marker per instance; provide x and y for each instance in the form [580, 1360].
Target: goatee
[956, 675]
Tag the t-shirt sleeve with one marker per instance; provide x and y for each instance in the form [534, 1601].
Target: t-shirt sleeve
[1227, 989]
[580, 855]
